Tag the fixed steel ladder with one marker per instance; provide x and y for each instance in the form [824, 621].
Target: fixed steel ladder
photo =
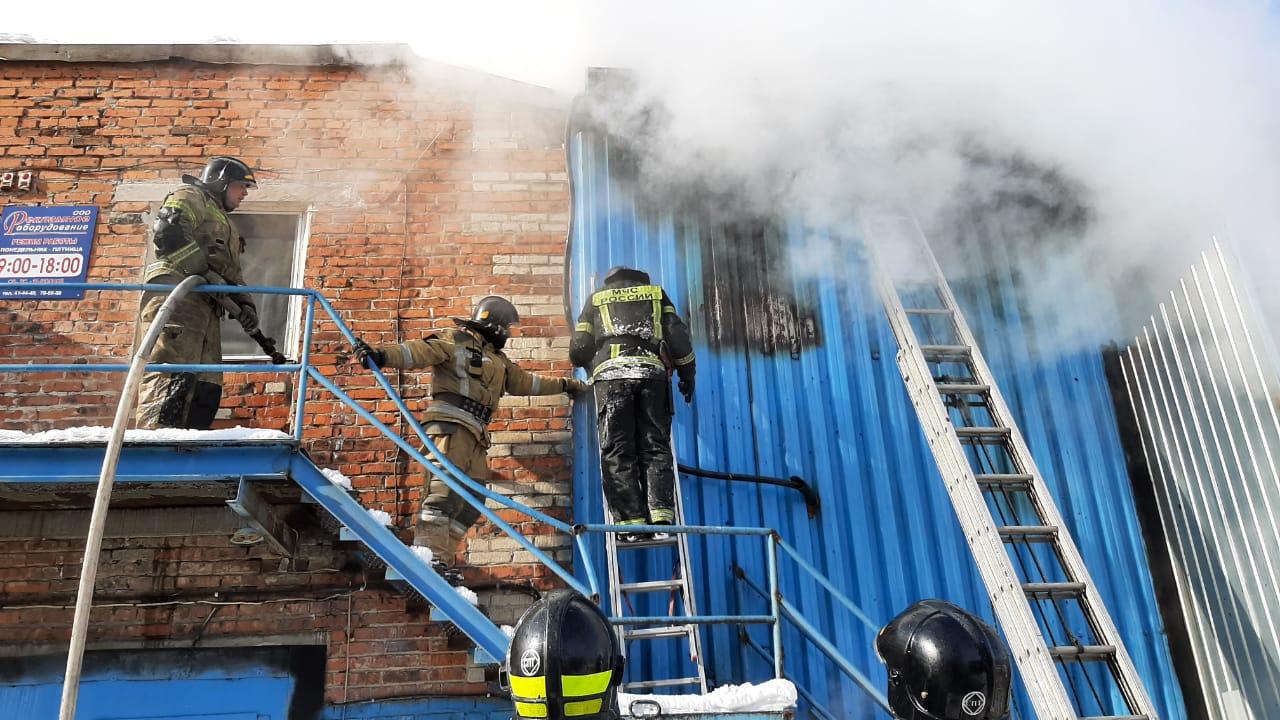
[678, 585]
[1068, 650]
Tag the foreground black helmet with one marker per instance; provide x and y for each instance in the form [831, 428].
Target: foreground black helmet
[493, 317]
[222, 170]
[944, 664]
[622, 272]
[564, 660]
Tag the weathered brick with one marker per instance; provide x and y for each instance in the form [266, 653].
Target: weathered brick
[478, 215]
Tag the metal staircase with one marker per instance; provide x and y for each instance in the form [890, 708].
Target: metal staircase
[1068, 650]
[621, 593]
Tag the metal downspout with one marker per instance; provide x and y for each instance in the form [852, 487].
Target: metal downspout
[97, 521]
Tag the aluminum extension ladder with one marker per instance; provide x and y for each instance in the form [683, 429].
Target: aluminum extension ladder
[678, 585]
[1067, 648]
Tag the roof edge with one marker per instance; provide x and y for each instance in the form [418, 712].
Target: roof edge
[359, 54]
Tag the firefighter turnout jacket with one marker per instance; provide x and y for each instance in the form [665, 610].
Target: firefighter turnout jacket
[630, 329]
[192, 235]
[469, 377]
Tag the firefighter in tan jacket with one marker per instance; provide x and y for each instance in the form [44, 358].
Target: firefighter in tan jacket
[192, 235]
[470, 374]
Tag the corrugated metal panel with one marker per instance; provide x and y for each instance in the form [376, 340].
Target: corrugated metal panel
[200, 684]
[825, 402]
[1203, 394]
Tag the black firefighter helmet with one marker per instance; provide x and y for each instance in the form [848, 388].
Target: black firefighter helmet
[944, 664]
[623, 274]
[564, 660]
[223, 170]
[492, 317]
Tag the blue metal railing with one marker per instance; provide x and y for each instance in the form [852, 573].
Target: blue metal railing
[472, 492]
[443, 468]
[789, 612]
[779, 607]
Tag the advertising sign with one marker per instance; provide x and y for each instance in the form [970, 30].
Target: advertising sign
[45, 246]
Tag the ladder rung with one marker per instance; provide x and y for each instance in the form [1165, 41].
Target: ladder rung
[945, 351]
[671, 682]
[646, 543]
[990, 480]
[1083, 652]
[963, 388]
[1116, 717]
[977, 433]
[657, 632]
[1028, 531]
[1054, 589]
[926, 311]
[651, 586]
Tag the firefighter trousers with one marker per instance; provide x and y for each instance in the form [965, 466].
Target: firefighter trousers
[445, 517]
[193, 334]
[633, 422]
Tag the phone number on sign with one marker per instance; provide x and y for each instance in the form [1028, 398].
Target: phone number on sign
[53, 265]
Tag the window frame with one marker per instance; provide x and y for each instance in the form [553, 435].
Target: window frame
[291, 345]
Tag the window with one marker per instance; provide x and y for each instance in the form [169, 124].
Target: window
[273, 255]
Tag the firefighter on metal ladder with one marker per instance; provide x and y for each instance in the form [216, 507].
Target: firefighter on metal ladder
[630, 336]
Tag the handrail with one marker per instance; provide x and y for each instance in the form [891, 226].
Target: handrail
[471, 491]
[462, 477]
[102, 499]
[842, 663]
[814, 705]
[444, 469]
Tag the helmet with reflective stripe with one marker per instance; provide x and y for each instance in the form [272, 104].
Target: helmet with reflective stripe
[944, 664]
[564, 660]
[222, 170]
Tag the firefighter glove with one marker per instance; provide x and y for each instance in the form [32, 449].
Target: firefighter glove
[686, 382]
[574, 386]
[363, 351]
[248, 318]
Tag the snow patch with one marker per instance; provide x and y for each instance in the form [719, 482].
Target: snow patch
[424, 553]
[336, 478]
[88, 433]
[382, 516]
[771, 696]
[467, 594]
[507, 630]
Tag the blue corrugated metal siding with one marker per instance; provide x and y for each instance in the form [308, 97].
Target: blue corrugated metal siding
[836, 413]
[240, 693]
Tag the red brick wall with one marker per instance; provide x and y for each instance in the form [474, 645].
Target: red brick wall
[454, 187]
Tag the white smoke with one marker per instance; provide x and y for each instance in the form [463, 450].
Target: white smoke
[1160, 118]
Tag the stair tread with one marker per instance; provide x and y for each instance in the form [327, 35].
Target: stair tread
[669, 682]
[1000, 431]
[946, 350]
[657, 632]
[1003, 478]
[927, 311]
[1026, 530]
[1054, 588]
[647, 543]
[966, 388]
[1085, 652]
[651, 586]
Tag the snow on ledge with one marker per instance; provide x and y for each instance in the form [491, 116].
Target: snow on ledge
[92, 434]
[770, 696]
[336, 478]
